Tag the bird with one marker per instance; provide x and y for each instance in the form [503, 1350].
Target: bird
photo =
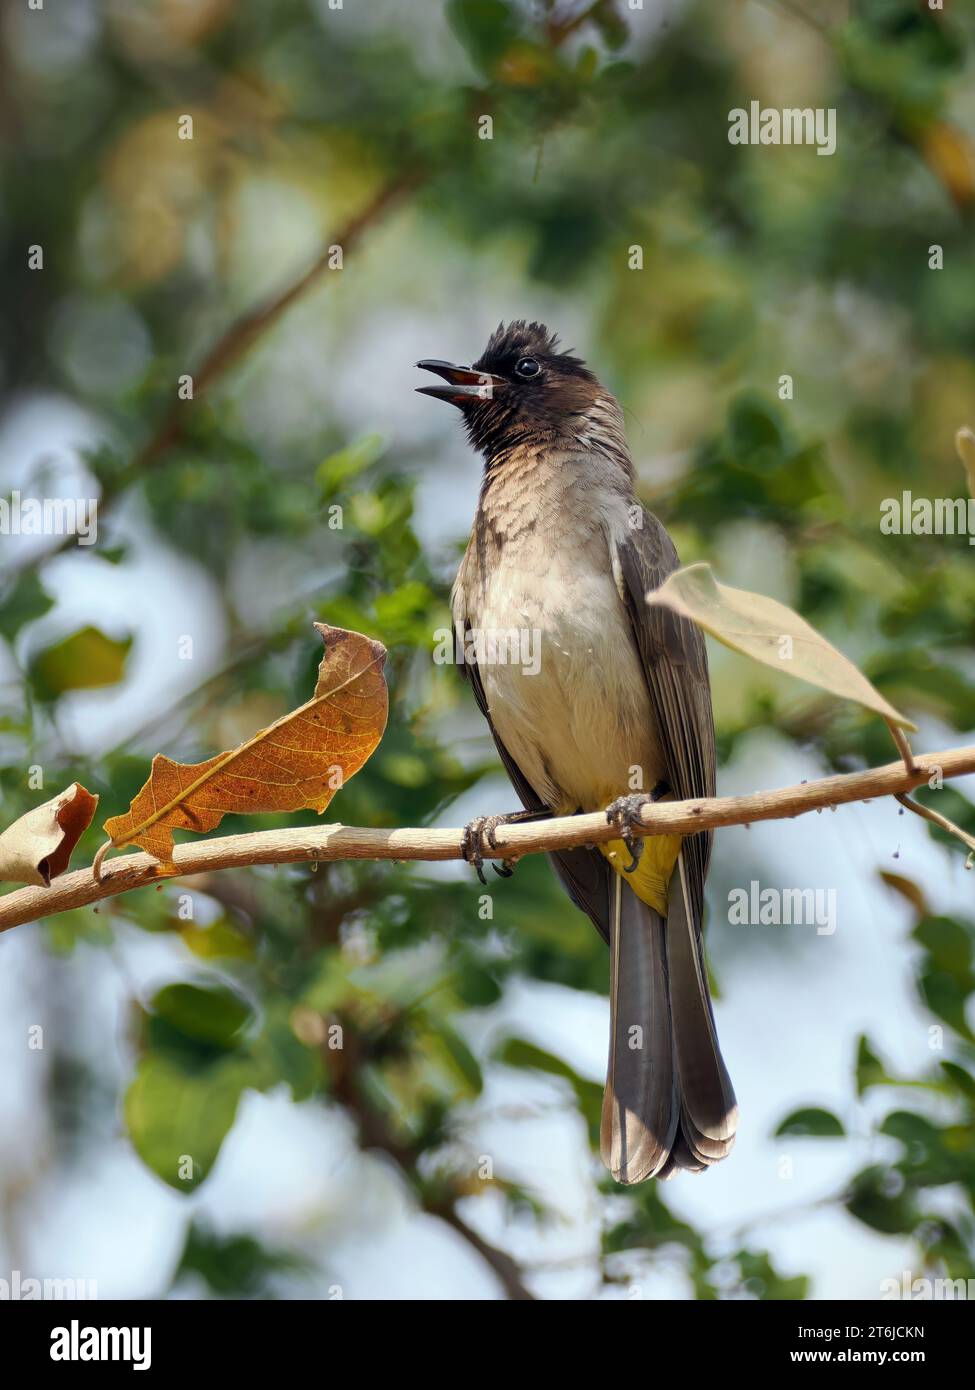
[615, 713]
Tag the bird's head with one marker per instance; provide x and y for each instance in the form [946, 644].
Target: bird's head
[522, 389]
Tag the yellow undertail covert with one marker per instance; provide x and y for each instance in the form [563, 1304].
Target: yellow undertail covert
[650, 878]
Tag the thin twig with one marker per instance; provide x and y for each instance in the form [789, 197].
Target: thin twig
[303, 844]
[232, 345]
[375, 1132]
[242, 334]
[903, 744]
[504, 1266]
[561, 27]
[936, 818]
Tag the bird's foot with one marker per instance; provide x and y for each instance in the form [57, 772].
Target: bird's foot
[626, 814]
[482, 833]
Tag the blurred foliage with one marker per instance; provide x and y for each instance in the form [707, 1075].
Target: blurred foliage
[609, 131]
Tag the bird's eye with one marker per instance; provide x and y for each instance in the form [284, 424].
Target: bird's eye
[527, 367]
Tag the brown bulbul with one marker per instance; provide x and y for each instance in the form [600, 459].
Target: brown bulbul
[616, 712]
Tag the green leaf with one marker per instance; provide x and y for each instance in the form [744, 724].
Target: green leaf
[402, 615]
[207, 1014]
[611, 25]
[23, 602]
[177, 1120]
[812, 1122]
[947, 998]
[86, 660]
[755, 469]
[650, 1224]
[234, 1266]
[517, 1052]
[457, 1055]
[486, 28]
[870, 1071]
[947, 979]
[960, 1079]
[761, 1279]
[281, 1056]
[948, 944]
[221, 940]
[933, 1156]
[336, 471]
[881, 1199]
[475, 984]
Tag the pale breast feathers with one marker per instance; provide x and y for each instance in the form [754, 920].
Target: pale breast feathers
[557, 660]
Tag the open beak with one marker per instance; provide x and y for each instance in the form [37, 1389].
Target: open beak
[464, 384]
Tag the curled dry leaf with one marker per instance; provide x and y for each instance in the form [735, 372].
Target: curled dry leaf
[297, 763]
[965, 444]
[768, 631]
[38, 846]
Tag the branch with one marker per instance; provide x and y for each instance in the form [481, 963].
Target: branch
[242, 334]
[314, 843]
[559, 29]
[505, 1267]
[941, 821]
[345, 1070]
[233, 343]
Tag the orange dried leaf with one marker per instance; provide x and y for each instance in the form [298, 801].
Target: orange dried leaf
[295, 764]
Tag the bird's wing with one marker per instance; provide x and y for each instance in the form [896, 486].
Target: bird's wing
[675, 666]
[584, 873]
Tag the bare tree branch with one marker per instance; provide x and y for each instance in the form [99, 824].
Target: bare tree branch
[345, 1073]
[232, 345]
[304, 844]
[242, 334]
[939, 820]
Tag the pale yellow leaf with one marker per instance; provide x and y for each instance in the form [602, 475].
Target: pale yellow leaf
[768, 631]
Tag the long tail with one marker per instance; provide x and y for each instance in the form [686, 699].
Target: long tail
[668, 1102]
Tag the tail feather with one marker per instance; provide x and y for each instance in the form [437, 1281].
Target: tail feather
[640, 1109]
[668, 1103]
[709, 1111]
[681, 1160]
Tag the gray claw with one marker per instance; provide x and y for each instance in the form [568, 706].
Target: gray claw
[626, 813]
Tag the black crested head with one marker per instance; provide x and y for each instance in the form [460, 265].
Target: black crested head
[508, 343]
[520, 390]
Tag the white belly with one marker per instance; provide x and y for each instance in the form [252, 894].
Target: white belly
[579, 726]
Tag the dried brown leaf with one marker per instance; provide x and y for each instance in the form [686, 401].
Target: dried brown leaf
[38, 846]
[297, 763]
